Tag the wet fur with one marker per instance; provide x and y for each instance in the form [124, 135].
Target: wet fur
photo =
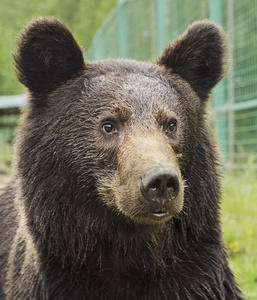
[64, 234]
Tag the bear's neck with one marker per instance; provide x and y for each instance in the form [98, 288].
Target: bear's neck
[111, 260]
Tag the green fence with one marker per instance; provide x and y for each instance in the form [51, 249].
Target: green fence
[7, 128]
[9, 114]
[140, 29]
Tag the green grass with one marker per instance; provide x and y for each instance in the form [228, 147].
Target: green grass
[5, 157]
[239, 218]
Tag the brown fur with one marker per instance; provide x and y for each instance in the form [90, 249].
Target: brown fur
[116, 190]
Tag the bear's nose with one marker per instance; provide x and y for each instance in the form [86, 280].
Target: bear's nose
[161, 185]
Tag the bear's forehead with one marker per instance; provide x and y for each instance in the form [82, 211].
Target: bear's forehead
[134, 86]
[142, 97]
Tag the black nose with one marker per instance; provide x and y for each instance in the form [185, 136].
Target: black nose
[160, 185]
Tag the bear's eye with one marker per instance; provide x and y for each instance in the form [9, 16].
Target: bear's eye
[172, 126]
[109, 128]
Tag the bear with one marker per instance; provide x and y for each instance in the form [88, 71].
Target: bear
[116, 186]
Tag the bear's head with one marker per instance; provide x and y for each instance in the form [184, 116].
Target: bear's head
[112, 138]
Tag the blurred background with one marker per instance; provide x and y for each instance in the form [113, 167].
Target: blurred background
[140, 29]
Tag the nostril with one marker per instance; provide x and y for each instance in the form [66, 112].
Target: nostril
[170, 183]
[155, 185]
[173, 184]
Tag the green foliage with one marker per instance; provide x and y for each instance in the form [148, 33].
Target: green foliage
[239, 211]
[83, 17]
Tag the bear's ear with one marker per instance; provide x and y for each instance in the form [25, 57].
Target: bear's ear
[47, 55]
[198, 56]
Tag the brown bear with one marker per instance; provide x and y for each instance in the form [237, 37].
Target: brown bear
[116, 189]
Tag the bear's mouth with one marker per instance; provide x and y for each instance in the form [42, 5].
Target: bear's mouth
[160, 214]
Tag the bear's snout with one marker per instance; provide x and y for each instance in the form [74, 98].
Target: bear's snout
[149, 187]
[162, 190]
[160, 185]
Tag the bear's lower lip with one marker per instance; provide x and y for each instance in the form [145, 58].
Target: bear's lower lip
[160, 214]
